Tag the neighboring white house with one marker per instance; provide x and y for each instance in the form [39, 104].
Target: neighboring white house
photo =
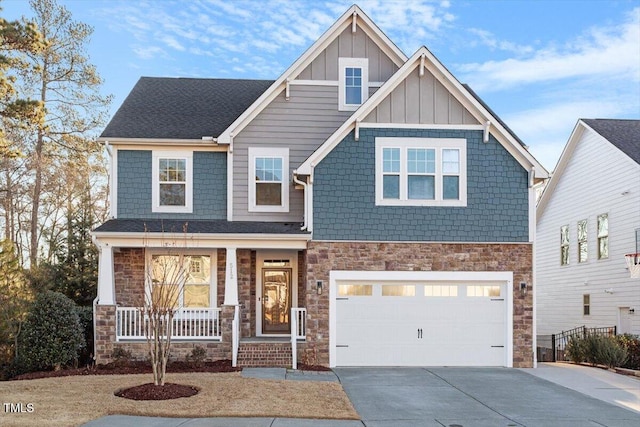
[588, 219]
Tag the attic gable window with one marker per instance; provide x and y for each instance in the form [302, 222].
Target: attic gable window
[268, 179]
[172, 181]
[353, 83]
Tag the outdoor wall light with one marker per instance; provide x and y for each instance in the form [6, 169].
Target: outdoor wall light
[319, 287]
[632, 310]
[523, 288]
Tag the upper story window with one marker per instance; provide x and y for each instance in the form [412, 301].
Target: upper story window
[353, 83]
[172, 181]
[421, 172]
[268, 179]
[564, 245]
[583, 251]
[603, 236]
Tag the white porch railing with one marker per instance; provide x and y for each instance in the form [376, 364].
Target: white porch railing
[235, 336]
[188, 323]
[298, 332]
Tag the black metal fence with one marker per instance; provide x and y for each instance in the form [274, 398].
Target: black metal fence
[551, 348]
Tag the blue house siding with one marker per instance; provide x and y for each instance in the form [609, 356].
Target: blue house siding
[344, 196]
[135, 181]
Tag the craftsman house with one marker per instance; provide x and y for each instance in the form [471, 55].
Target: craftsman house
[588, 220]
[365, 208]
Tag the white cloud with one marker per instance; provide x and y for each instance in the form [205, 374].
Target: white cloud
[609, 51]
[486, 38]
[149, 52]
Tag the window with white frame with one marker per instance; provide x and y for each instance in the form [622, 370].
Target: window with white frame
[268, 179]
[586, 304]
[421, 171]
[172, 181]
[583, 251]
[181, 280]
[353, 83]
[603, 236]
[564, 245]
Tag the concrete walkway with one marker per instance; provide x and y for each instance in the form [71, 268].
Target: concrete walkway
[621, 390]
[554, 395]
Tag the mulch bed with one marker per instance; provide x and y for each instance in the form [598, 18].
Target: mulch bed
[151, 391]
[133, 367]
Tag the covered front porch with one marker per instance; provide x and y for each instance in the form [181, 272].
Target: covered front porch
[249, 288]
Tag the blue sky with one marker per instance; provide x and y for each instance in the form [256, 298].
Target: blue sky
[540, 65]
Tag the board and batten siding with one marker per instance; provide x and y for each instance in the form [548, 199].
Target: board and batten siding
[350, 45]
[420, 99]
[596, 181]
[301, 124]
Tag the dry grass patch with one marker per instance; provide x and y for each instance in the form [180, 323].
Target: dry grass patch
[72, 401]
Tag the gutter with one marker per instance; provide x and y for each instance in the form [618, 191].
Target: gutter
[306, 201]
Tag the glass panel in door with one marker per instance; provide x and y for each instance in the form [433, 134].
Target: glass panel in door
[276, 300]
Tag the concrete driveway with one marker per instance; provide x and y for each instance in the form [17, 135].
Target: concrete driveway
[472, 397]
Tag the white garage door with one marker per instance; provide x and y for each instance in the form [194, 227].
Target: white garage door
[418, 323]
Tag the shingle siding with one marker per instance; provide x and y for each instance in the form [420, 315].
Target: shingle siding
[344, 196]
[135, 181]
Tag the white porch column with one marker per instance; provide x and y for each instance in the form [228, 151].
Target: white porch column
[106, 282]
[231, 278]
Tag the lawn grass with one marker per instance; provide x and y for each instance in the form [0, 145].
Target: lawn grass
[72, 401]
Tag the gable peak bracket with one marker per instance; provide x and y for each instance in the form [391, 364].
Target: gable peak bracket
[532, 176]
[422, 59]
[487, 126]
[357, 133]
[287, 89]
[354, 19]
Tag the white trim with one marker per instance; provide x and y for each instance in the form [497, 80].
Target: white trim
[185, 155]
[231, 277]
[106, 280]
[261, 256]
[462, 276]
[239, 241]
[438, 144]
[480, 113]
[163, 141]
[368, 26]
[428, 126]
[230, 186]
[272, 152]
[113, 184]
[363, 65]
[212, 253]
[303, 82]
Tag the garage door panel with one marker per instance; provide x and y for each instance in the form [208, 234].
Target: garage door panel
[462, 328]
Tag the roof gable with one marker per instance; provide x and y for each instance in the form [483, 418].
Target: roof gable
[425, 61]
[182, 108]
[623, 134]
[355, 18]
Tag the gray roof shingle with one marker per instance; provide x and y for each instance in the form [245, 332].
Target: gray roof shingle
[198, 227]
[623, 133]
[182, 108]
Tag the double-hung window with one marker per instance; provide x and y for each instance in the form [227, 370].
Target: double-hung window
[564, 245]
[353, 83]
[603, 236]
[583, 250]
[172, 181]
[268, 179]
[181, 280]
[421, 172]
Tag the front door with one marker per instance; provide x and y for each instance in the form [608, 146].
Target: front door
[276, 300]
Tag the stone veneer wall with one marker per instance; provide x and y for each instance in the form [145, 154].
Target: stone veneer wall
[322, 257]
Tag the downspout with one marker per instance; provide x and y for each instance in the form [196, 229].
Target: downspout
[306, 202]
[95, 303]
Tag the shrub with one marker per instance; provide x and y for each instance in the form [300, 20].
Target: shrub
[597, 350]
[121, 356]
[632, 344]
[85, 356]
[197, 356]
[51, 335]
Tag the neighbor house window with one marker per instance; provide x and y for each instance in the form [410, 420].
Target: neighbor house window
[421, 172]
[353, 83]
[586, 304]
[172, 181]
[564, 245]
[181, 280]
[583, 251]
[268, 179]
[603, 236]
